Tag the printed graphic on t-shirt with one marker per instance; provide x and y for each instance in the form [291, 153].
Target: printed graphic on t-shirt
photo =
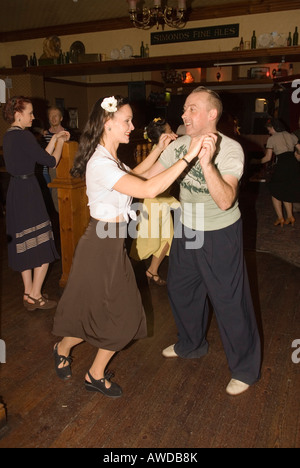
[191, 179]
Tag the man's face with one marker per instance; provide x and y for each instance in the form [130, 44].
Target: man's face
[55, 117]
[197, 114]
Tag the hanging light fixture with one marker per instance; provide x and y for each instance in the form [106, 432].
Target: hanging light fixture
[158, 15]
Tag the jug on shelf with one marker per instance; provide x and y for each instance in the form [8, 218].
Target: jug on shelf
[261, 105]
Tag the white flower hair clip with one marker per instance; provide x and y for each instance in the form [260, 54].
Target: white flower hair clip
[110, 104]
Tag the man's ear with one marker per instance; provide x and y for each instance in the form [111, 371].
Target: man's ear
[213, 114]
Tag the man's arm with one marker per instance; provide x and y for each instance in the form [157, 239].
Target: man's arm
[222, 188]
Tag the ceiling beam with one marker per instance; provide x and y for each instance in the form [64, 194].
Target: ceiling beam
[208, 12]
[245, 8]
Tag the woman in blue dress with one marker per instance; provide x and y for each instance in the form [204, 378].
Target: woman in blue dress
[29, 232]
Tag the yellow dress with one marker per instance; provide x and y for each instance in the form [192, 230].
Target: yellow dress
[155, 228]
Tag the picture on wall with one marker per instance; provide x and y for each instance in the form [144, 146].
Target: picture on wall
[73, 116]
[60, 103]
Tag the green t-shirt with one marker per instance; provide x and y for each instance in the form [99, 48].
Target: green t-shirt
[199, 211]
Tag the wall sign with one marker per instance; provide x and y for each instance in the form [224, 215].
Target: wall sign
[225, 31]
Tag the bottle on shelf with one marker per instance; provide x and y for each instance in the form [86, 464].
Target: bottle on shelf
[242, 44]
[295, 37]
[60, 58]
[279, 71]
[291, 70]
[142, 50]
[147, 51]
[253, 41]
[34, 60]
[289, 40]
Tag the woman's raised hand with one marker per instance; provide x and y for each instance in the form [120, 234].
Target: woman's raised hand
[165, 139]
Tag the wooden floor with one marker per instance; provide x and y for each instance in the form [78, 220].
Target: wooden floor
[167, 403]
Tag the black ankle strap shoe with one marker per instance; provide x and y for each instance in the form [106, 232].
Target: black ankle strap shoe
[114, 391]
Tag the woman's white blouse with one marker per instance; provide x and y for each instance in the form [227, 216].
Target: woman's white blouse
[102, 173]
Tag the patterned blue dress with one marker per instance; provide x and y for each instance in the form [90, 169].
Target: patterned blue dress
[29, 231]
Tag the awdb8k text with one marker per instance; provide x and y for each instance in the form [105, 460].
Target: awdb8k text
[168, 457]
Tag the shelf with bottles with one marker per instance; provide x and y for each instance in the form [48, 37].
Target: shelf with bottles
[272, 40]
[203, 60]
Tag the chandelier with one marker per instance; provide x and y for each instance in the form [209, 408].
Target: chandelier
[158, 15]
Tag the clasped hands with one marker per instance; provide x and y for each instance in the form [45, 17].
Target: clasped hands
[203, 147]
[64, 135]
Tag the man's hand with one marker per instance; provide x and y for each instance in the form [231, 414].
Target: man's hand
[208, 149]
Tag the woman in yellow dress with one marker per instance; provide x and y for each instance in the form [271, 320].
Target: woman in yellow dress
[155, 230]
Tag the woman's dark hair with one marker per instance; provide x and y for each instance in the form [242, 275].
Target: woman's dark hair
[92, 135]
[155, 129]
[276, 124]
[13, 105]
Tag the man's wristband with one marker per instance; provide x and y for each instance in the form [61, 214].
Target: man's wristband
[185, 160]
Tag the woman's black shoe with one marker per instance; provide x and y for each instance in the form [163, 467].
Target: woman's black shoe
[114, 391]
[64, 372]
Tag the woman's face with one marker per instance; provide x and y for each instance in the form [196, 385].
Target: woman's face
[121, 124]
[24, 119]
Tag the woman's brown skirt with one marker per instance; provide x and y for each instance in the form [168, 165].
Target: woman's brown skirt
[101, 302]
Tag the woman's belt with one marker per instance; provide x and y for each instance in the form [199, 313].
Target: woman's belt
[24, 176]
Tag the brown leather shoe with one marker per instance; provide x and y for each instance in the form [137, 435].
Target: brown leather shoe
[41, 303]
[155, 279]
[25, 302]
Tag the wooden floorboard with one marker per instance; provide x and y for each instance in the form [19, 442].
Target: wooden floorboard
[166, 403]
